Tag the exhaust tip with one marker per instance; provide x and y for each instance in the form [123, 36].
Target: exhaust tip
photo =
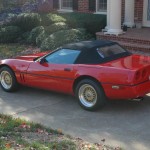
[138, 99]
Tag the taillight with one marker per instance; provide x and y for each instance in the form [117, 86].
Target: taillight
[137, 75]
[141, 75]
[144, 73]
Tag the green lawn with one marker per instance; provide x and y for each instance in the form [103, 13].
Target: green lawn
[11, 50]
[18, 134]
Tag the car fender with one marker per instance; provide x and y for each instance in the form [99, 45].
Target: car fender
[15, 65]
[105, 74]
[19, 67]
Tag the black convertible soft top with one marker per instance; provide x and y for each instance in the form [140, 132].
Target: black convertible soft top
[88, 45]
[89, 53]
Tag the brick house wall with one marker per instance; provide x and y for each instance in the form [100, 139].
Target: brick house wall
[139, 4]
[138, 11]
[85, 6]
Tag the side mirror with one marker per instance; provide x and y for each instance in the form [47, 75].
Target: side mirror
[42, 61]
[36, 58]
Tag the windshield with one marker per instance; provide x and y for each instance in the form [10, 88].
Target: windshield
[63, 56]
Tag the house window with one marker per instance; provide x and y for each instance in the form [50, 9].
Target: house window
[148, 11]
[66, 4]
[101, 6]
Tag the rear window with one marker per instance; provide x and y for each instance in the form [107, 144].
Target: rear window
[110, 51]
[103, 54]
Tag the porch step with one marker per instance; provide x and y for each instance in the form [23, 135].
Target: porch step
[122, 38]
[136, 48]
[129, 42]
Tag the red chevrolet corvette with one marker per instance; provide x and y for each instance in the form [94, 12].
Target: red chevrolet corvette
[91, 70]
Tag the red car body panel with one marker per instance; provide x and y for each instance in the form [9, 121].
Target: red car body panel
[117, 77]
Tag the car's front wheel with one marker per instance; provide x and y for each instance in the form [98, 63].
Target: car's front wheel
[90, 94]
[8, 80]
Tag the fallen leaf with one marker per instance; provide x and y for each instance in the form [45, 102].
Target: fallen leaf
[8, 145]
[59, 131]
[103, 140]
[40, 130]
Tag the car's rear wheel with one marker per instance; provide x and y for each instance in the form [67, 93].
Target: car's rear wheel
[90, 94]
[8, 80]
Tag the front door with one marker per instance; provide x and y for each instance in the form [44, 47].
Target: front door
[146, 13]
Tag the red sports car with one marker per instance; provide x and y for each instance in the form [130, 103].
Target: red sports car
[91, 70]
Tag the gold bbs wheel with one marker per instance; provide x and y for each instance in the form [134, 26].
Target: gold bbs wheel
[87, 95]
[8, 80]
[90, 94]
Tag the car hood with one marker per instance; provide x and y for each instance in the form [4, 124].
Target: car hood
[32, 56]
[132, 62]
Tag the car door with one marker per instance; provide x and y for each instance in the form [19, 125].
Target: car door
[55, 71]
[64, 77]
[41, 75]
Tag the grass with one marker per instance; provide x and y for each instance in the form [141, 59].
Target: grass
[10, 50]
[18, 134]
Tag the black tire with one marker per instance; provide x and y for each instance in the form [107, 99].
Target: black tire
[8, 79]
[87, 91]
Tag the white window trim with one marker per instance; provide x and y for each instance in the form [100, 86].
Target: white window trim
[63, 10]
[99, 12]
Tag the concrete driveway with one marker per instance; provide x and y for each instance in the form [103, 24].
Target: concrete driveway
[124, 123]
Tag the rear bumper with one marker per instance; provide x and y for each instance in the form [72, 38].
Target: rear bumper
[127, 92]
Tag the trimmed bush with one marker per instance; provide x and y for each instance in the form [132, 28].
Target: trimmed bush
[41, 38]
[34, 34]
[50, 30]
[92, 22]
[54, 18]
[56, 27]
[9, 34]
[26, 21]
[24, 38]
[49, 19]
[62, 37]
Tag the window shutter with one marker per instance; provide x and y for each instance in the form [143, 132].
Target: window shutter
[55, 4]
[92, 5]
[75, 4]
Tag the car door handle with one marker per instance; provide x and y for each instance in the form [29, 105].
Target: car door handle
[67, 69]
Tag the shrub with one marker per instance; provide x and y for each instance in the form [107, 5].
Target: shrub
[26, 21]
[92, 22]
[62, 37]
[53, 18]
[49, 30]
[41, 38]
[49, 19]
[9, 34]
[74, 20]
[34, 34]
[24, 38]
[56, 27]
